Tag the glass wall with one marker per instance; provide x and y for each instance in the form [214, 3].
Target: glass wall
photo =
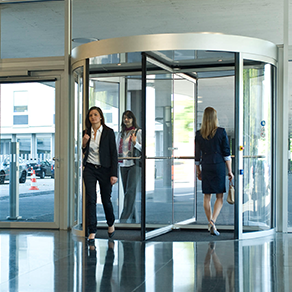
[78, 128]
[35, 133]
[257, 143]
[290, 148]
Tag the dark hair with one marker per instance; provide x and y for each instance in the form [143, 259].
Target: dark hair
[87, 122]
[129, 115]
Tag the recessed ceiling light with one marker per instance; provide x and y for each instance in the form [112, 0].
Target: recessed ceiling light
[84, 40]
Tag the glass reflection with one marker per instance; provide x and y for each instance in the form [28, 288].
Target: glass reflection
[214, 269]
[213, 278]
[250, 265]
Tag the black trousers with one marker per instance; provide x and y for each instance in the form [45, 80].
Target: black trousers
[91, 175]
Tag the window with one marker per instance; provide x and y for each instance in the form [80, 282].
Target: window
[20, 106]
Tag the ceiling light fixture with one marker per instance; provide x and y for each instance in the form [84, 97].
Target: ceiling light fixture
[84, 40]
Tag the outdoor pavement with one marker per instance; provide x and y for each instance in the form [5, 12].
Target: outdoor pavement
[44, 185]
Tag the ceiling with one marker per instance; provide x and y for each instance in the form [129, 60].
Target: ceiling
[36, 29]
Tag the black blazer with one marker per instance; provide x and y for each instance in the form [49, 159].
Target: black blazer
[107, 150]
[213, 150]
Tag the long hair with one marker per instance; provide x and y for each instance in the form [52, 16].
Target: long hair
[209, 124]
[129, 115]
[87, 122]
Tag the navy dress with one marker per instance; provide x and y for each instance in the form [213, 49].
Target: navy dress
[210, 154]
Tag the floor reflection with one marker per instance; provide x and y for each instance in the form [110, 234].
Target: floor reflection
[57, 261]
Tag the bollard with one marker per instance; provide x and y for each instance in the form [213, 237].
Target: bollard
[14, 182]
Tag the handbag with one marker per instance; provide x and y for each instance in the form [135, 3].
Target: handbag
[137, 153]
[230, 196]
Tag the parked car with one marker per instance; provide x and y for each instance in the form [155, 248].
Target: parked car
[5, 170]
[42, 169]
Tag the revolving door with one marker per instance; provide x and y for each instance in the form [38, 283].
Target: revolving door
[167, 81]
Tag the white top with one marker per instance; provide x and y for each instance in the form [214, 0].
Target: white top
[125, 147]
[93, 155]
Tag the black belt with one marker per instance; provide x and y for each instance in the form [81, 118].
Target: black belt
[95, 165]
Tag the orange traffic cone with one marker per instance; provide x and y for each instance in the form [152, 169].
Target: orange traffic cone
[33, 182]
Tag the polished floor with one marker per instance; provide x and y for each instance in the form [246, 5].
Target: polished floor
[57, 261]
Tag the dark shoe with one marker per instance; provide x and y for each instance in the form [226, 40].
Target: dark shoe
[111, 234]
[91, 242]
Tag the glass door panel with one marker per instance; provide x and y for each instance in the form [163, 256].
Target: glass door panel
[27, 119]
[257, 143]
[169, 180]
[223, 102]
[130, 100]
[159, 132]
[78, 127]
[104, 93]
[183, 169]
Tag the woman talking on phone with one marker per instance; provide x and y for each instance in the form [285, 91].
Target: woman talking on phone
[129, 138]
[100, 165]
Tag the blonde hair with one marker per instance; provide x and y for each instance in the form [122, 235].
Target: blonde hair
[209, 124]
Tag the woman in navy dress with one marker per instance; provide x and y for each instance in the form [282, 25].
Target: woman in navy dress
[212, 154]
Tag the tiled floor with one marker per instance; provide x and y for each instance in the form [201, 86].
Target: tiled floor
[57, 261]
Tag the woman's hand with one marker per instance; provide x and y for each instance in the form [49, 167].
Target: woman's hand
[113, 180]
[199, 175]
[134, 138]
[85, 140]
[230, 176]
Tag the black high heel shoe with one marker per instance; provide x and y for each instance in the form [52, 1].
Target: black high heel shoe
[91, 241]
[111, 234]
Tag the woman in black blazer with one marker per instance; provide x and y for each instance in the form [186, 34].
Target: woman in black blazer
[213, 154]
[100, 164]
